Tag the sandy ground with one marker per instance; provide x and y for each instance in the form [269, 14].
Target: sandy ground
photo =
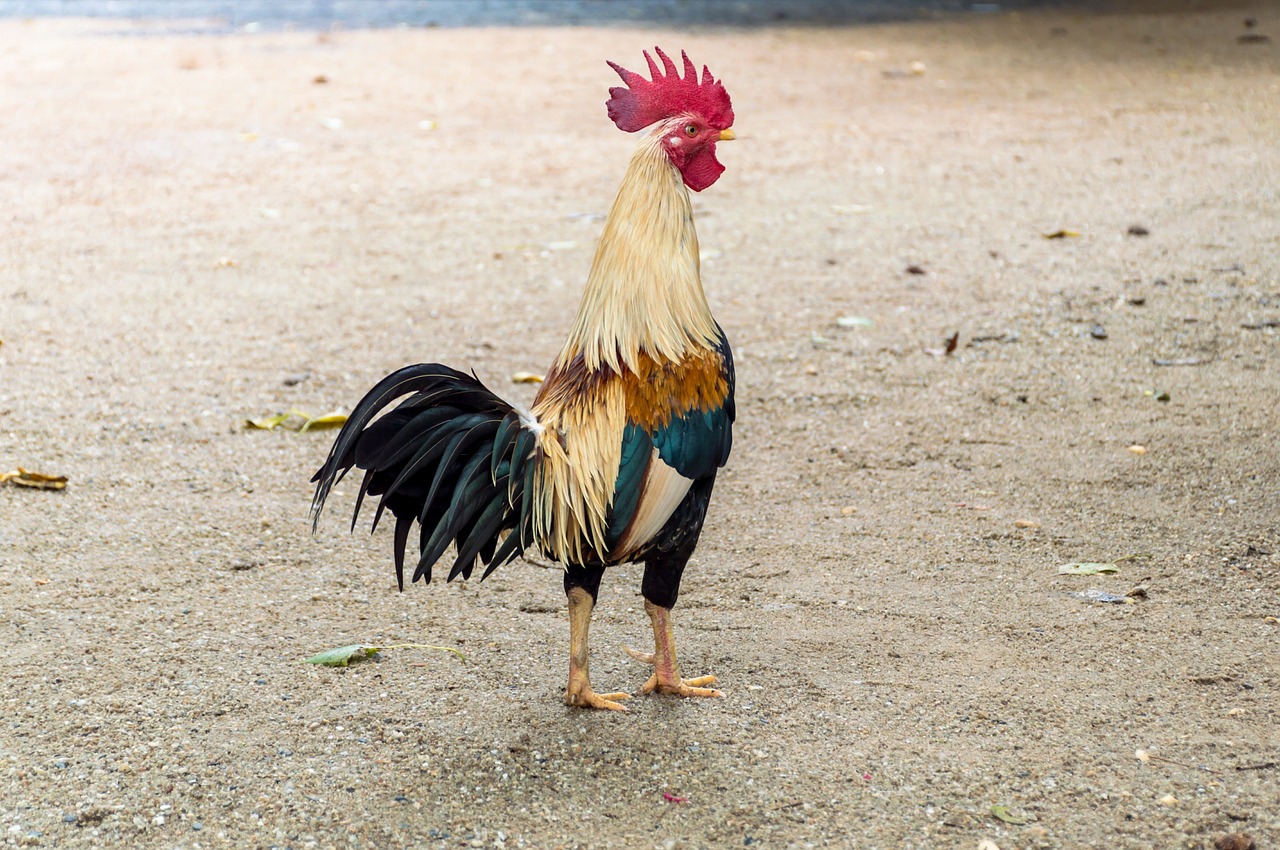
[199, 230]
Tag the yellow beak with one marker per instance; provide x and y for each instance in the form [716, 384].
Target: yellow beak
[727, 135]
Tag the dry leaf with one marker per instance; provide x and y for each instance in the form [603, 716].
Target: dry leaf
[35, 480]
[1062, 234]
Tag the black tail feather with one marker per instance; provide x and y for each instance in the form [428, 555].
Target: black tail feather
[452, 456]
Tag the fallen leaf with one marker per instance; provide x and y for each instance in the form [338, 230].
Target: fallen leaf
[1087, 568]
[526, 378]
[1003, 813]
[335, 419]
[35, 480]
[1062, 234]
[306, 422]
[267, 423]
[343, 655]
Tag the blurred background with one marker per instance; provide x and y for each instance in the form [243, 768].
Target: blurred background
[216, 15]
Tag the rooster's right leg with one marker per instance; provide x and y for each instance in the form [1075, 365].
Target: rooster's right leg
[581, 584]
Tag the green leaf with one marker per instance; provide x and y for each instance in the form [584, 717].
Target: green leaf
[344, 655]
[341, 656]
[1086, 568]
[1003, 813]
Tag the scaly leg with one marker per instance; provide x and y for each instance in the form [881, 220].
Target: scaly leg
[579, 692]
[666, 672]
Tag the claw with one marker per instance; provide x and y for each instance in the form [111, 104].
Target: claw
[587, 698]
[685, 688]
[642, 657]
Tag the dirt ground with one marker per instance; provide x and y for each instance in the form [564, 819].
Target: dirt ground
[203, 229]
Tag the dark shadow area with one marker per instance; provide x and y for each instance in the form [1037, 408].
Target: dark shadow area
[227, 15]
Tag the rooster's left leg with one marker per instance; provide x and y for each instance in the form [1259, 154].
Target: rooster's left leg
[660, 588]
[581, 584]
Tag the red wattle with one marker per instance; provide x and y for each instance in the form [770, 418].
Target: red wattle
[701, 169]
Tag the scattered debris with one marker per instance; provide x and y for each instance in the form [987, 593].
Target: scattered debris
[1138, 230]
[1025, 523]
[988, 844]
[319, 79]
[1257, 326]
[1136, 449]
[848, 510]
[1253, 38]
[1002, 813]
[1180, 361]
[672, 798]
[342, 656]
[1087, 568]
[1105, 596]
[1062, 234]
[1235, 841]
[949, 345]
[1136, 301]
[1169, 800]
[34, 480]
[1158, 396]
[913, 269]
[1098, 332]
[854, 322]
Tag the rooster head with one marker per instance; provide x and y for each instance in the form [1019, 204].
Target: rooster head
[692, 114]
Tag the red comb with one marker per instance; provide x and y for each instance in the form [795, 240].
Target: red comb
[643, 101]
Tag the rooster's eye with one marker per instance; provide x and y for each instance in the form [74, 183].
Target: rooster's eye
[691, 129]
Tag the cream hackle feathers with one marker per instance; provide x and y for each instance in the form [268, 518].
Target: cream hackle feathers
[643, 298]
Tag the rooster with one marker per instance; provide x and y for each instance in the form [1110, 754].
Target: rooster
[616, 460]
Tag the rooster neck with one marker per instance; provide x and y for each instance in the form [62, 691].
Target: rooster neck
[644, 293]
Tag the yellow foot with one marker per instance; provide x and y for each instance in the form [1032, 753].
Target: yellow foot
[584, 697]
[681, 687]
